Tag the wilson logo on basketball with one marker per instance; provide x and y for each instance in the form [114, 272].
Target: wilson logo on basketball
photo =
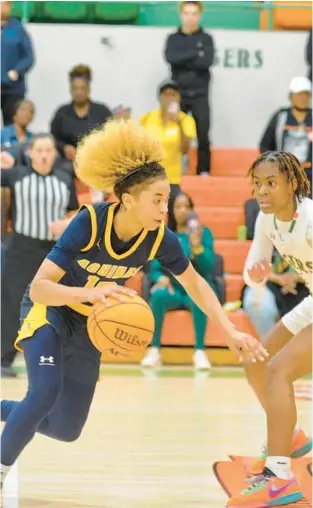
[133, 340]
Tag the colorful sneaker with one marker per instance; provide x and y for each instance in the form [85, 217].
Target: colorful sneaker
[301, 445]
[267, 490]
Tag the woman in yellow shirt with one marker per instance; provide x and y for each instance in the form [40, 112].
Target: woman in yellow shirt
[176, 129]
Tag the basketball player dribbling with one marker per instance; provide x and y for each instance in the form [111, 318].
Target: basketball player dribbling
[285, 221]
[102, 247]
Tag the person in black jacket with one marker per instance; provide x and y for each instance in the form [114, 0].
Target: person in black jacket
[190, 53]
[75, 120]
[290, 129]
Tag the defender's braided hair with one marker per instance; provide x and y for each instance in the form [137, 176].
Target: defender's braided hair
[289, 165]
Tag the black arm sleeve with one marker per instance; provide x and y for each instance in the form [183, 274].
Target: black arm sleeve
[170, 254]
[178, 55]
[268, 140]
[7, 177]
[55, 130]
[205, 61]
[308, 52]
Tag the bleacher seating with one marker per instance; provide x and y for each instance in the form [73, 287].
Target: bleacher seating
[248, 15]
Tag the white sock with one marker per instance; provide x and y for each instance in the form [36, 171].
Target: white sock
[3, 472]
[280, 466]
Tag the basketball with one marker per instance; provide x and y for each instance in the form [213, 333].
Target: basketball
[122, 330]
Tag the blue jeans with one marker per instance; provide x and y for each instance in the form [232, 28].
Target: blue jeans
[260, 305]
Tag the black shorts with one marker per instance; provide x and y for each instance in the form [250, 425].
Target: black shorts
[81, 358]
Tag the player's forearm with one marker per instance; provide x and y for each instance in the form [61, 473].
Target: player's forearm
[51, 293]
[250, 282]
[202, 294]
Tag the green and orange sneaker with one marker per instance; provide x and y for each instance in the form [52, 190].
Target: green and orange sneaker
[267, 490]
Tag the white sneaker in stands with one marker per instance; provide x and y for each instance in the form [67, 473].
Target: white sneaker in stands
[152, 358]
[200, 360]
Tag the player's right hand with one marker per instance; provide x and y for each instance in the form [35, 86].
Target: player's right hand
[245, 346]
[99, 294]
[260, 271]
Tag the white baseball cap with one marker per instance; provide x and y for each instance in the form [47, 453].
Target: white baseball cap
[300, 84]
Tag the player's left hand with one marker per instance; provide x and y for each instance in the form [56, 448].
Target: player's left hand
[245, 346]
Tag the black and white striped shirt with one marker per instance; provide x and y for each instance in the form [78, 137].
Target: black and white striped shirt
[38, 200]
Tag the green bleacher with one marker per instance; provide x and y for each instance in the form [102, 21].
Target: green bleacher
[236, 15]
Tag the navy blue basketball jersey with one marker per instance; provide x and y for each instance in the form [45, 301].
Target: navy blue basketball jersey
[90, 252]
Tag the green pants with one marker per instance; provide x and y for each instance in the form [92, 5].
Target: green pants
[161, 301]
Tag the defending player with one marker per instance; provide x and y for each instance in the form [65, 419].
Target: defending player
[103, 246]
[285, 221]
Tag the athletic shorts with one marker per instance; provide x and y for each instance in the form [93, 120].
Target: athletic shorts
[81, 358]
[300, 316]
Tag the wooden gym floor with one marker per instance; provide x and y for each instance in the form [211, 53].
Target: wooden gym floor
[150, 441]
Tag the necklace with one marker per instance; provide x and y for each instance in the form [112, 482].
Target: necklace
[291, 227]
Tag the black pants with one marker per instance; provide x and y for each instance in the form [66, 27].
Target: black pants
[8, 101]
[23, 256]
[200, 110]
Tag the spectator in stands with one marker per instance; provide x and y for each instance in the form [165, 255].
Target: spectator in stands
[190, 53]
[177, 131]
[73, 121]
[290, 129]
[17, 58]
[42, 192]
[17, 133]
[308, 55]
[167, 294]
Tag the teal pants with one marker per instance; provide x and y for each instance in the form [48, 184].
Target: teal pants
[161, 301]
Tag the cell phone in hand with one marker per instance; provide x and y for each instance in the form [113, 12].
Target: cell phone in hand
[173, 108]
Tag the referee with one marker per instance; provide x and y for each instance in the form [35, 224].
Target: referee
[42, 192]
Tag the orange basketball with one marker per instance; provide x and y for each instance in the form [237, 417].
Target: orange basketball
[122, 330]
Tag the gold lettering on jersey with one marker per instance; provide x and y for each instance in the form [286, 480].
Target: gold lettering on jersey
[93, 268]
[107, 271]
[298, 264]
[104, 270]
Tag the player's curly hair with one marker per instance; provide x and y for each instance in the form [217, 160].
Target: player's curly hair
[81, 71]
[290, 166]
[119, 156]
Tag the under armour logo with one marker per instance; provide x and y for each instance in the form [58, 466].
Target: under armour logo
[47, 360]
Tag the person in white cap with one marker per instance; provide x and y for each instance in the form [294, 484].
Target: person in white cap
[290, 128]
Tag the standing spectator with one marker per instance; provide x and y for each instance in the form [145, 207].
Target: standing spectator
[308, 55]
[290, 129]
[43, 192]
[177, 132]
[167, 294]
[17, 132]
[75, 120]
[190, 53]
[17, 58]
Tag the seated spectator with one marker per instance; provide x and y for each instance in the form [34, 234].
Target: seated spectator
[17, 58]
[42, 193]
[17, 133]
[177, 131]
[290, 129]
[167, 294]
[283, 291]
[73, 121]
